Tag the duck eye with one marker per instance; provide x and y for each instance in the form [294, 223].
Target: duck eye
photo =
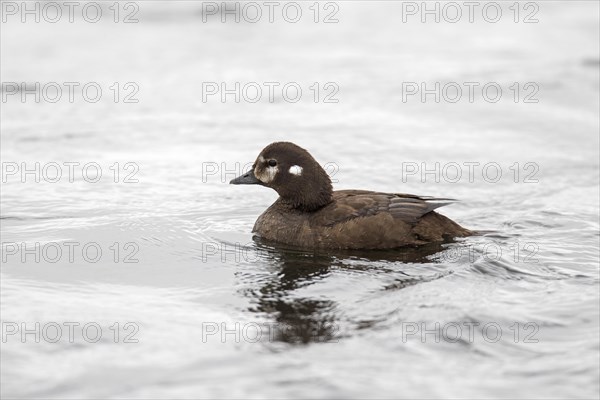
[272, 163]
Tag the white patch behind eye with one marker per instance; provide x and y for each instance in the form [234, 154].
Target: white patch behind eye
[295, 170]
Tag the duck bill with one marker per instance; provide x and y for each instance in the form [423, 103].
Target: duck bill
[247, 179]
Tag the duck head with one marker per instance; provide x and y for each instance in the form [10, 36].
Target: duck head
[293, 173]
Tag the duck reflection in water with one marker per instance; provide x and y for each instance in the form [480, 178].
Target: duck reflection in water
[303, 320]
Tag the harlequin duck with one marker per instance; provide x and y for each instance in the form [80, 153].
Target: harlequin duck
[309, 214]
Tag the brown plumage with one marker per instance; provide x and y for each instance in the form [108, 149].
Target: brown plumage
[310, 214]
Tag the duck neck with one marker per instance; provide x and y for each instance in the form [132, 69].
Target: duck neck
[308, 199]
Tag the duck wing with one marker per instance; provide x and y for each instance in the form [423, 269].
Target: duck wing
[351, 204]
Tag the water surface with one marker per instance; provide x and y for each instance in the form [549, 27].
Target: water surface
[212, 313]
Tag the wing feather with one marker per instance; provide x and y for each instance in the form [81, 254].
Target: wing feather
[350, 204]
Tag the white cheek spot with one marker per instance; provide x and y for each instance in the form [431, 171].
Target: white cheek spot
[271, 172]
[295, 170]
[268, 174]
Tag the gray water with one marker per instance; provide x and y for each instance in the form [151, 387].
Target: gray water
[188, 305]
